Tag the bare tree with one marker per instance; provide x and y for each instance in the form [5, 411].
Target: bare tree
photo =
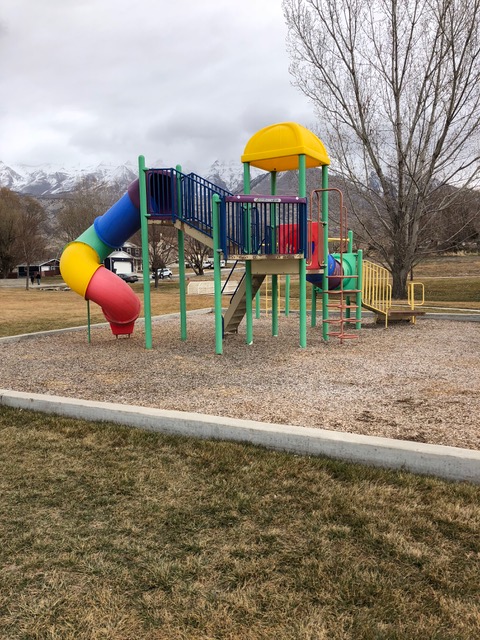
[196, 254]
[31, 240]
[162, 248]
[10, 208]
[396, 84]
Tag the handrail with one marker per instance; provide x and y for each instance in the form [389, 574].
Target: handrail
[376, 289]
[411, 296]
[229, 276]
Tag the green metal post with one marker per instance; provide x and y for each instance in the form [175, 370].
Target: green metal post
[358, 296]
[147, 304]
[248, 263]
[325, 253]
[350, 241]
[246, 178]
[273, 244]
[313, 319]
[274, 305]
[248, 301]
[89, 333]
[257, 305]
[302, 270]
[217, 275]
[181, 260]
[287, 295]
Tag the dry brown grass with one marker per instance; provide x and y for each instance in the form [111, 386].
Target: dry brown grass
[450, 281]
[41, 310]
[111, 533]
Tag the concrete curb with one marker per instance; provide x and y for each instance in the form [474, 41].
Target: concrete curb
[449, 463]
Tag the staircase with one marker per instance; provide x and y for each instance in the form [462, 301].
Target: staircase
[238, 304]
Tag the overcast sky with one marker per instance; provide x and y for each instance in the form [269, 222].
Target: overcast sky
[179, 81]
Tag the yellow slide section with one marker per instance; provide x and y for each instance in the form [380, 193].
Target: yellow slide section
[78, 263]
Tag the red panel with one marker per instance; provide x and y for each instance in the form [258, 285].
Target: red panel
[288, 242]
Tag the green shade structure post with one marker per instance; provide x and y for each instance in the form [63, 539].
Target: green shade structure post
[89, 333]
[302, 270]
[287, 295]
[248, 263]
[273, 245]
[217, 275]
[257, 305]
[358, 295]
[181, 259]
[325, 253]
[147, 304]
[313, 318]
[350, 241]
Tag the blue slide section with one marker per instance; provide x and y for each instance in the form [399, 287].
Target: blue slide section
[122, 220]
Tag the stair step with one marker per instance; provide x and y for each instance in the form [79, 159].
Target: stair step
[392, 313]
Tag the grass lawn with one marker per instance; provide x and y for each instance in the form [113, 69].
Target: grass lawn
[41, 310]
[114, 533]
[109, 532]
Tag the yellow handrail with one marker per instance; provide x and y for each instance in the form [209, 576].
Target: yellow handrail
[411, 296]
[376, 289]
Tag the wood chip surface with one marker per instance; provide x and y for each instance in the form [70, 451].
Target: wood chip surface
[413, 382]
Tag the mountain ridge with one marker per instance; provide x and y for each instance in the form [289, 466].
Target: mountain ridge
[48, 180]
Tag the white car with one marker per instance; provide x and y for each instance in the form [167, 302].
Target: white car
[209, 264]
[163, 273]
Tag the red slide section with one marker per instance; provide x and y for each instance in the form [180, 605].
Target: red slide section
[120, 305]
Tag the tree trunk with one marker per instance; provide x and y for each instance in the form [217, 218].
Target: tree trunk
[400, 271]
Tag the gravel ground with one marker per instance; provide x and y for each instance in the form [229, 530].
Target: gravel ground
[413, 382]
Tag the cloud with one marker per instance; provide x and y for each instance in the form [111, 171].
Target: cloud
[107, 80]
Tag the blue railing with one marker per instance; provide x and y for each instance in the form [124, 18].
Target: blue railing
[197, 208]
[161, 194]
[173, 195]
[264, 225]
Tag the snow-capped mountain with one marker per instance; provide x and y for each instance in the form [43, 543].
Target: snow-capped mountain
[229, 175]
[53, 181]
[50, 180]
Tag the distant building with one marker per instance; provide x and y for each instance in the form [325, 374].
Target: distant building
[120, 262]
[45, 269]
[135, 253]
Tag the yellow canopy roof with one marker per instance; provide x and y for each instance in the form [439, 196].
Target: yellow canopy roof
[277, 147]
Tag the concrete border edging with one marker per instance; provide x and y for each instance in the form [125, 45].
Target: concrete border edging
[449, 463]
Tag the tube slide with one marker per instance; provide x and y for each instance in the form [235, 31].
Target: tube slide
[81, 263]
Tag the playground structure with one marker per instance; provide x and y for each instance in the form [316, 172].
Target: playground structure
[273, 235]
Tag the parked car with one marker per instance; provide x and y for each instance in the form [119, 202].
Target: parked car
[163, 273]
[209, 264]
[128, 277]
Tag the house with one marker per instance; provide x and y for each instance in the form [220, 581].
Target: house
[120, 262]
[46, 269]
[135, 253]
